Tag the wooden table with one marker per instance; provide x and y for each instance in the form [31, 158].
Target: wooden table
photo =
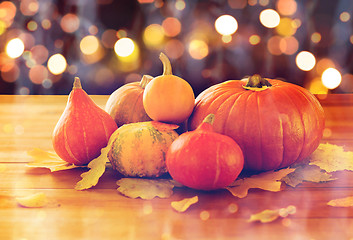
[27, 122]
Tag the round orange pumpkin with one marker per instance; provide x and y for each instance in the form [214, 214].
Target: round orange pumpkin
[275, 123]
[168, 98]
[125, 103]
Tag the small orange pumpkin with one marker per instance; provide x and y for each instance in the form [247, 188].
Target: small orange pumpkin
[125, 103]
[168, 98]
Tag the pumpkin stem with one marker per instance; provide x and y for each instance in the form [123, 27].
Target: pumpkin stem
[145, 80]
[167, 67]
[256, 81]
[77, 84]
[209, 119]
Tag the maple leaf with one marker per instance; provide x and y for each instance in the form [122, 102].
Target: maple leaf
[341, 202]
[48, 159]
[307, 173]
[97, 169]
[145, 188]
[184, 204]
[267, 215]
[332, 158]
[269, 181]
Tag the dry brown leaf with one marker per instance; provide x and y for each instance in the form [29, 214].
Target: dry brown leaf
[269, 181]
[267, 215]
[48, 159]
[332, 158]
[307, 173]
[184, 204]
[36, 200]
[145, 188]
[341, 202]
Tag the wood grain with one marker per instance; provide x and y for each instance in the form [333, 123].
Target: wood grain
[27, 122]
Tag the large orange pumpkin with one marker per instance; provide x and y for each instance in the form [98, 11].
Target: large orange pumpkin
[125, 104]
[275, 123]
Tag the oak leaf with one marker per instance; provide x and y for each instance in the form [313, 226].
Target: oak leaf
[269, 181]
[307, 173]
[48, 159]
[145, 188]
[341, 202]
[332, 158]
[184, 204]
[267, 215]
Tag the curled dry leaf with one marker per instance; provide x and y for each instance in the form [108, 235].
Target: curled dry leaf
[184, 204]
[307, 173]
[267, 215]
[48, 159]
[269, 181]
[145, 188]
[341, 202]
[331, 158]
[36, 200]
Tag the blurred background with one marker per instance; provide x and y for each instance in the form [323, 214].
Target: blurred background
[44, 44]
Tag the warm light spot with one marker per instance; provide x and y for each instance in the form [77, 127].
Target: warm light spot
[252, 2]
[153, 36]
[347, 83]
[89, 44]
[38, 74]
[145, 1]
[226, 25]
[331, 78]
[171, 26]
[7, 12]
[316, 37]
[58, 43]
[316, 87]
[57, 64]
[147, 209]
[174, 49]
[47, 83]
[198, 49]
[345, 16]
[27, 39]
[286, 7]
[109, 38]
[289, 45]
[227, 38]
[2, 27]
[180, 5]
[324, 64]
[32, 26]
[305, 61]
[327, 133]
[158, 3]
[46, 24]
[124, 47]
[273, 45]
[39, 54]
[296, 23]
[269, 18]
[285, 27]
[233, 208]
[121, 33]
[72, 69]
[254, 39]
[204, 215]
[93, 29]
[70, 23]
[237, 4]
[23, 91]
[29, 7]
[10, 72]
[15, 48]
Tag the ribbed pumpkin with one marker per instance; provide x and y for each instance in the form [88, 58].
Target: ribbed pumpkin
[275, 123]
[125, 104]
[139, 149]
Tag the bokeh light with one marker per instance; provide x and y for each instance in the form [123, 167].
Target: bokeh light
[39, 54]
[289, 45]
[226, 25]
[124, 47]
[15, 48]
[174, 48]
[345, 16]
[29, 7]
[331, 78]
[171, 26]
[70, 23]
[57, 64]
[89, 44]
[38, 74]
[316, 37]
[286, 7]
[153, 36]
[270, 18]
[198, 49]
[254, 39]
[305, 61]
[286, 27]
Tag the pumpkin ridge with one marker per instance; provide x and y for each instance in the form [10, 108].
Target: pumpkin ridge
[134, 105]
[236, 98]
[67, 146]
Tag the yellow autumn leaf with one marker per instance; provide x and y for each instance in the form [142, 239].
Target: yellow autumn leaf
[332, 158]
[307, 173]
[267, 215]
[184, 204]
[341, 202]
[145, 188]
[269, 181]
[36, 200]
[48, 159]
